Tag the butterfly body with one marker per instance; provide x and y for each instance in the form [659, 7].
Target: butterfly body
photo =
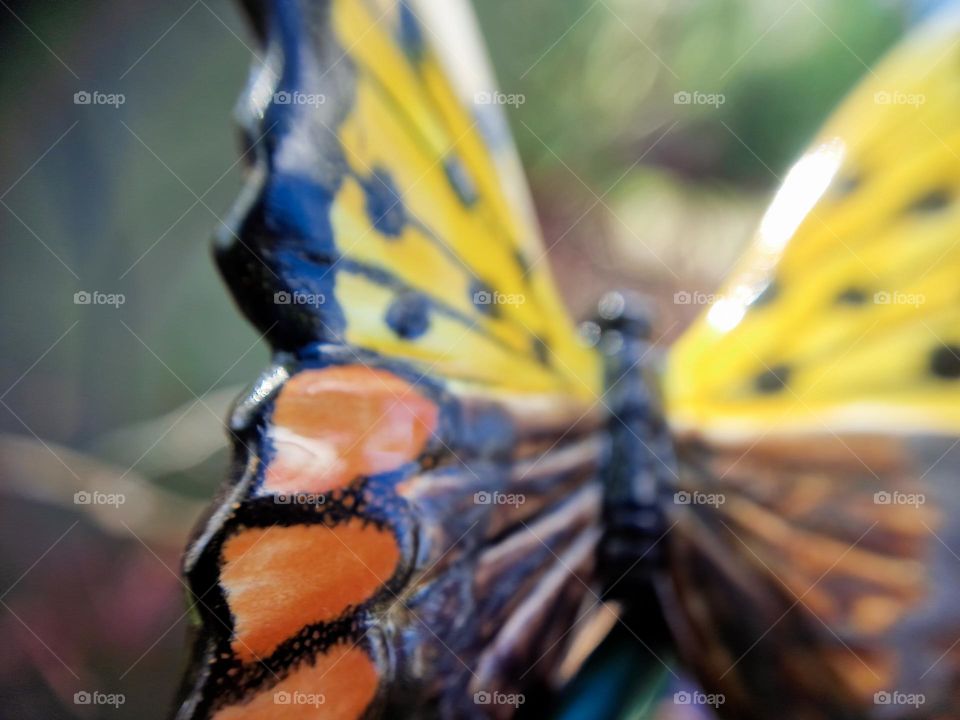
[640, 477]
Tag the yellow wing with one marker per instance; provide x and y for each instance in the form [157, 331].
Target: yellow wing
[816, 405]
[403, 229]
[845, 313]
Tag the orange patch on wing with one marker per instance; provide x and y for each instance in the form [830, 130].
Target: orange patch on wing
[335, 424]
[341, 684]
[279, 579]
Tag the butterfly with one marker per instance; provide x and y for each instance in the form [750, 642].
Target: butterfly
[439, 484]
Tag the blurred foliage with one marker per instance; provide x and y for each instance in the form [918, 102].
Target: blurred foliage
[599, 79]
[100, 200]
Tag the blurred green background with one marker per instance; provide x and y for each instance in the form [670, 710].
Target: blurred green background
[633, 188]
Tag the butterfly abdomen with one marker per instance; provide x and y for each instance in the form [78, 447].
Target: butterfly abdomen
[639, 474]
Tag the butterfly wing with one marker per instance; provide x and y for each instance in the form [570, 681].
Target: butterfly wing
[817, 405]
[411, 521]
[378, 216]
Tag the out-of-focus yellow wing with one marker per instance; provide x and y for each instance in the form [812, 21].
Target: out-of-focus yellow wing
[813, 556]
[845, 313]
[393, 217]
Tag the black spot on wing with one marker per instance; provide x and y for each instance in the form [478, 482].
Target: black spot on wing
[541, 350]
[767, 295]
[484, 298]
[384, 205]
[846, 185]
[410, 34]
[852, 296]
[772, 380]
[934, 201]
[460, 181]
[522, 263]
[409, 315]
[945, 362]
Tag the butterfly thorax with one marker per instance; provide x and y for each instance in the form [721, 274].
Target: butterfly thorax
[640, 471]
